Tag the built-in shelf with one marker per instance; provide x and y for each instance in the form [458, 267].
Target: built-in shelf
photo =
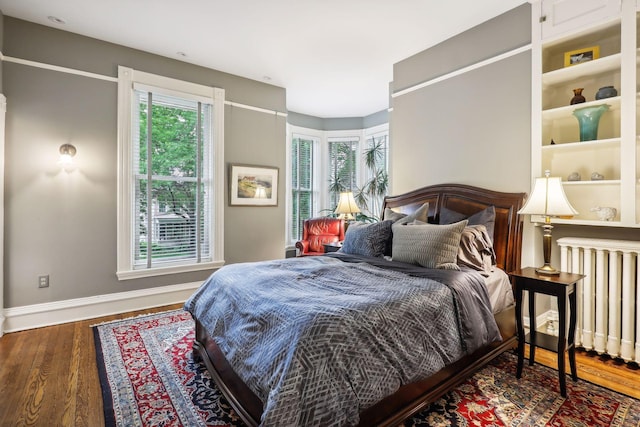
[593, 182]
[567, 110]
[617, 154]
[610, 142]
[588, 69]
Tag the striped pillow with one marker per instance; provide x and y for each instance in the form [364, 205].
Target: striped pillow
[428, 245]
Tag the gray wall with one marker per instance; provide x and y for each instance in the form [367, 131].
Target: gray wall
[473, 128]
[64, 224]
[338, 123]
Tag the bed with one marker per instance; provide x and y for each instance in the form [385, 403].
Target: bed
[407, 398]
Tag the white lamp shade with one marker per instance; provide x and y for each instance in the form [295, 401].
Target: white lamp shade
[347, 204]
[548, 199]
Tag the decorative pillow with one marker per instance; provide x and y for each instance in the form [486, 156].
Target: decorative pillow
[428, 245]
[475, 249]
[367, 239]
[392, 215]
[486, 217]
[420, 214]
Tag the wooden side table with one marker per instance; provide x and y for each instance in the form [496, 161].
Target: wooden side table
[563, 287]
[332, 247]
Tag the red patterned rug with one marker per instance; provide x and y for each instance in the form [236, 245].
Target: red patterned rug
[149, 378]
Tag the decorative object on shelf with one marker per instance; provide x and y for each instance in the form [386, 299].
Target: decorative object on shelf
[605, 213]
[606, 92]
[552, 142]
[578, 98]
[575, 176]
[588, 119]
[548, 199]
[578, 56]
[597, 176]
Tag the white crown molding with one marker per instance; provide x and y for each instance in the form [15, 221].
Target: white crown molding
[72, 310]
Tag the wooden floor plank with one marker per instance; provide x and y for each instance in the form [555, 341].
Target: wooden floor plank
[32, 396]
[48, 376]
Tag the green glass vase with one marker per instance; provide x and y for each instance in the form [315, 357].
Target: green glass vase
[588, 120]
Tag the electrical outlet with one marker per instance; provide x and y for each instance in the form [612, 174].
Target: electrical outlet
[43, 281]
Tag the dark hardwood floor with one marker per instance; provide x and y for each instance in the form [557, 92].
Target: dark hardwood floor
[48, 376]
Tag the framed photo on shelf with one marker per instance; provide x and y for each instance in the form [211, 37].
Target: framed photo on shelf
[575, 57]
[253, 185]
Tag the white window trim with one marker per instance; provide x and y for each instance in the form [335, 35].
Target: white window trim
[292, 132]
[321, 156]
[127, 77]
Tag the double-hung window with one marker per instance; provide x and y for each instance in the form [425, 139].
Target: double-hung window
[302, 183]
[343, 163]
[170, 180]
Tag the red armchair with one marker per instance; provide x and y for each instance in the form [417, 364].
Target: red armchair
[318, 231]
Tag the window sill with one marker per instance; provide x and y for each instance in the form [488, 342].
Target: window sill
[162, 271]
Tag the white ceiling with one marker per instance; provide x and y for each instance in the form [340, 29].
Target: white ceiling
[334, 57]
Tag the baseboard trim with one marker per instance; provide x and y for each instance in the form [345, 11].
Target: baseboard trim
[541, 320]
[72, 310]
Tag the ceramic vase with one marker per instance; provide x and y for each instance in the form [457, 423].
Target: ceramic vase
[588, 120]
[577, 96]
[606, 92]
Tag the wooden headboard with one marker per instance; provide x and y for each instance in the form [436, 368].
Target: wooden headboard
[507, 239]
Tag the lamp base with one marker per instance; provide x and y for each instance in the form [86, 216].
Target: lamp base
[548, 270]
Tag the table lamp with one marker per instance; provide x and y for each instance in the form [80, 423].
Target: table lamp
[347, 206]
[548, 199]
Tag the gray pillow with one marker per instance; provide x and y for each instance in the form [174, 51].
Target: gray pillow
[486, 217]
[367, 239]
[428, 245]
[390, 214]
[421, 214]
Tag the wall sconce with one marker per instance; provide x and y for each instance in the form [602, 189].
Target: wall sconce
[67, 151]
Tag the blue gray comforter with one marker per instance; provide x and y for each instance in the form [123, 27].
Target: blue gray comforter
[319, 339]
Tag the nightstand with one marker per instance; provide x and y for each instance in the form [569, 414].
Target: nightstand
[332, 247]
[563, 287]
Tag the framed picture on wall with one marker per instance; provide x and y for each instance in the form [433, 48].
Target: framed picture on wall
[575, 57]
[253, 185]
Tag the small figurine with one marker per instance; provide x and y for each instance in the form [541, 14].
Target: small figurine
[596, 176]
[575, 176]
[605, 213]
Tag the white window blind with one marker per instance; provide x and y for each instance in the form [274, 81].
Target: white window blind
[343, 160]
[302, 185]
[171, 169]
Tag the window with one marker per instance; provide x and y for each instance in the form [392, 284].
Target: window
[376, 178]
[343, 161]
[170, 180]
[323, 163]
[302, 183]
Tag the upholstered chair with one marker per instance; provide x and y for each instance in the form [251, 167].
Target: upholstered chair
[318, 231]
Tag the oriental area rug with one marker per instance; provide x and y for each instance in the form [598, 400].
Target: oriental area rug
[149, 378]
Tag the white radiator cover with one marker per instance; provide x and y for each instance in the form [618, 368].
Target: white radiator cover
[607, 298]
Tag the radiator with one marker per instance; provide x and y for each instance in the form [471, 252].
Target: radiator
[608, 297]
